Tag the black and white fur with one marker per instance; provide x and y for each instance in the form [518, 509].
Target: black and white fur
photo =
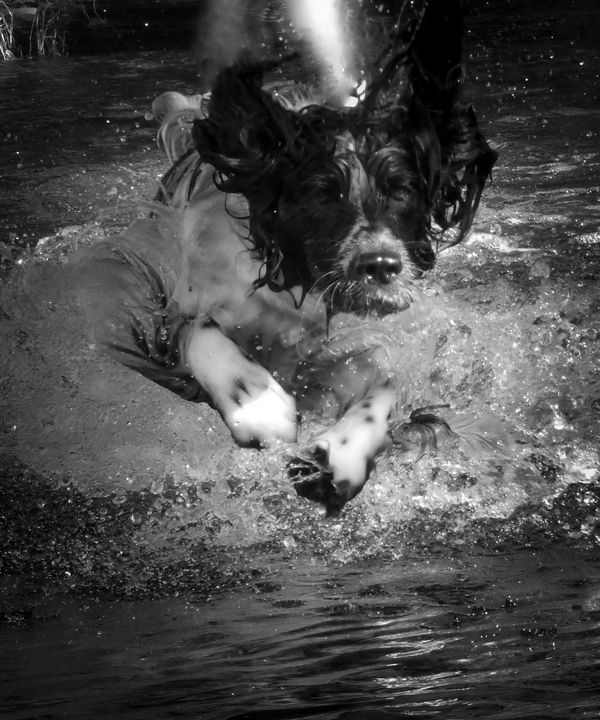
[285, 209]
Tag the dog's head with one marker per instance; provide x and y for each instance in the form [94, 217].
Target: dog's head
[352, 203]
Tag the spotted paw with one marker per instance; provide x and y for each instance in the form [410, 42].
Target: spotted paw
[338, 463]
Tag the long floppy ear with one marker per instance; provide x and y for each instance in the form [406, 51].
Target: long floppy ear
[436, 53]
[421, 80]
[467, 162]
[422, 60]
[244, 132]
[250, 139]
[256, 144]
[466, 158]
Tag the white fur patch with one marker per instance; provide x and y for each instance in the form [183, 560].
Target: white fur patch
[253, 405]
[268, 415]
[355, 440]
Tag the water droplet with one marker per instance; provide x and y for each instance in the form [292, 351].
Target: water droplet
[289, 542]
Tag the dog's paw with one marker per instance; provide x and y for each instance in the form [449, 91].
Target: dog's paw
[260, 411]
[255, 408]
[338, 463]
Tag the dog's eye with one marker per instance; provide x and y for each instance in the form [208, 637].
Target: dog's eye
[395, 187]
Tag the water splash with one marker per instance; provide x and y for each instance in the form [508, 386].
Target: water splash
[325, 25]
[179, 495]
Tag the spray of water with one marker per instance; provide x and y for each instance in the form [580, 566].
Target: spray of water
[322, 22]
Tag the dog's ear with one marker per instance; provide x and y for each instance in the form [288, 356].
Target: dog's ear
[422, 59]
[402, 69]
[263, 149]
[465, 158]
[420, 83]
[248, 136]
[251, 141]
[436, 54]
[467, 161]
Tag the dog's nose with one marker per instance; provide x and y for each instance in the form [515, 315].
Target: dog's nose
[379, 267]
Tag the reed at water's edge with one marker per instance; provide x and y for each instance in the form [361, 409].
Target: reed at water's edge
[30, 28]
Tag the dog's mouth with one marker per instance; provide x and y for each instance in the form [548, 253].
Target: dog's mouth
[378, 282]
[363, 298]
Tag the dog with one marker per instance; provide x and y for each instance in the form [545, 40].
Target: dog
[282, 209]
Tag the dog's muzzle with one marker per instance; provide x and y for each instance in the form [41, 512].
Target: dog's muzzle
[379, 280]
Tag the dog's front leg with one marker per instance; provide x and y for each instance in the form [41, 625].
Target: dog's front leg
[253, 405]
[340, 459]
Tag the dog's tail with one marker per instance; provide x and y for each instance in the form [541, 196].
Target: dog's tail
[177, 114]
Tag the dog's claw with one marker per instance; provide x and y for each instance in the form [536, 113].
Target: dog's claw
[312, 480]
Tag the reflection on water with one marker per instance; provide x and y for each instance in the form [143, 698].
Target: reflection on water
[454, 587]
[496, 636]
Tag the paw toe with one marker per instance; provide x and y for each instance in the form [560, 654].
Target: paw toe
[314, 480]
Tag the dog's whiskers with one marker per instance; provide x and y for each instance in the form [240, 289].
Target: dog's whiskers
[304, 353]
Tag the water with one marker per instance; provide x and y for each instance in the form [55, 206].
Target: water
[75, 138]
[462, 637]
[151, 570]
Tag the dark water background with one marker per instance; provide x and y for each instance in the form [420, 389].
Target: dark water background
[438, 593]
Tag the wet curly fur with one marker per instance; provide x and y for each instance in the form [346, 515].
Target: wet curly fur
[342, 208]
[320, 180]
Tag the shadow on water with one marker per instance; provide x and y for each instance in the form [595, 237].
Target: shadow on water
[152, 570]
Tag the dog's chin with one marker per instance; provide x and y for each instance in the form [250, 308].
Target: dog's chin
[365, 299]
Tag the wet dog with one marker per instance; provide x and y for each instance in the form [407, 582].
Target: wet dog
[283, 209]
